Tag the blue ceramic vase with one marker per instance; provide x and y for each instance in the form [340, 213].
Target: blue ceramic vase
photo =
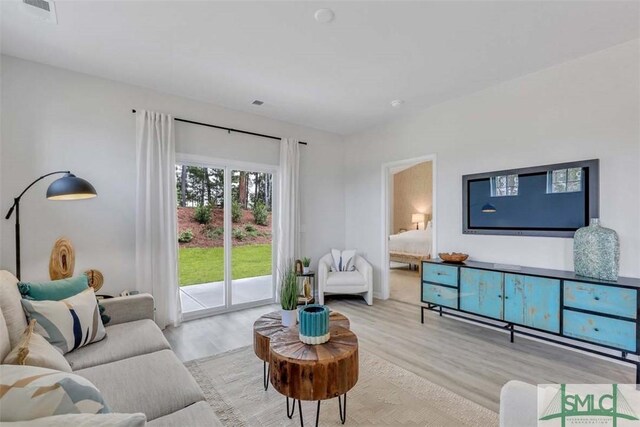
[314, 324]
[596, 252]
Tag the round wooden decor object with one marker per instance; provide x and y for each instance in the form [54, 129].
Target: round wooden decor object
[62, 260]
[270, 324]
[314, 372]
[96, 279]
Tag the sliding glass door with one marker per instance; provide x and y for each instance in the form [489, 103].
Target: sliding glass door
[225, 236]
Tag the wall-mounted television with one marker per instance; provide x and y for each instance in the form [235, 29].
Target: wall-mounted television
[552, 200]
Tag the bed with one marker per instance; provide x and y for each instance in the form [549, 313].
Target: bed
[410, 247]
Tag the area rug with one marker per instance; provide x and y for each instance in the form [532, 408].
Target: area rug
[385, 395]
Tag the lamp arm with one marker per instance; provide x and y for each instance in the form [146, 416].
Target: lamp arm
[17, 199]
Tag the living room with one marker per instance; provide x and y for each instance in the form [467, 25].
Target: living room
[306, 107]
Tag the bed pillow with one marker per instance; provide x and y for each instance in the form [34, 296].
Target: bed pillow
[343, 260]
[29, 392]
[54, 290]
[67, 324]
[34, 350]
[85, 420]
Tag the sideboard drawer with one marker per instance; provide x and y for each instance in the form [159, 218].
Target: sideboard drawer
[600, 330]
[439, 273]
[601, 298]
[440, 295]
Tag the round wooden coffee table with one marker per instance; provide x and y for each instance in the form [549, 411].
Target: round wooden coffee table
[268, 325]
[314, 372]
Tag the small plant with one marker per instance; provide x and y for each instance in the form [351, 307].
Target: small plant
[202, 214]
[288, 288]
[260, 213]
[185, 236]
[214, 233]
[249, 228]
[238, 234]
[306, 262]
[236, 211]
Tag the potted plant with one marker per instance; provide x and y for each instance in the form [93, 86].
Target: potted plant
[306, 262]
[289, 296]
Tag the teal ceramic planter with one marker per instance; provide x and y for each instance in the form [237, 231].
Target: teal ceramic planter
[314, 324]
[596, 252]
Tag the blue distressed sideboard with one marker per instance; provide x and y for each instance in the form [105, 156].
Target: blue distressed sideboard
[540, 303]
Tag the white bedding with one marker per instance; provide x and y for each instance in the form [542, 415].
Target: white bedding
[417, 242]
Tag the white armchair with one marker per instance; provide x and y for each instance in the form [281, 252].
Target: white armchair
[359, 281]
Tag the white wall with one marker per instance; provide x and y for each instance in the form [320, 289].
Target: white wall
[586, 108]
[56, 119]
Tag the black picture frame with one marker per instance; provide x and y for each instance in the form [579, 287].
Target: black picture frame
[592, 198]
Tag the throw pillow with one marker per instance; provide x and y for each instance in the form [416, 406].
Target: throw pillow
[70, 323]
[30, 392]
[85, 420]
[11, 307]
[54, 290]
[34, 350]
[343, 261]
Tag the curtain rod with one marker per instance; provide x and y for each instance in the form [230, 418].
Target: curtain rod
[229, 129]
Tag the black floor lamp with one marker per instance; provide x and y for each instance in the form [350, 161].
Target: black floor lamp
[69, 187]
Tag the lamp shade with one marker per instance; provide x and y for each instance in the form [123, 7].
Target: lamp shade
[417, 217]
[70, 187]
[488, 208]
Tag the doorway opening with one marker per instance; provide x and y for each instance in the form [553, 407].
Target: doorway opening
[225, 235]
[409, 224]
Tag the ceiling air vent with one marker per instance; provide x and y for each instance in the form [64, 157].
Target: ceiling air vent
[43, 9]
[257, 102]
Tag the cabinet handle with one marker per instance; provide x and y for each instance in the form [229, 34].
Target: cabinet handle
[596, 329]
[499, 296]
[597, 298]
[438, 295]
[506, 297]
[439, 274]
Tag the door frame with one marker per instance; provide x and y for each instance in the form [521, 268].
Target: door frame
[228, 166]
[388, 169]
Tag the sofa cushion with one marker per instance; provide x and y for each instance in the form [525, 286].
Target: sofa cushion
[346, 278]
[12, 307]
[156, 384]
[34, 350]
[198, 414]
[122, 341]
[54, 290]
[70, 323]
[5, 344]
[29, 392]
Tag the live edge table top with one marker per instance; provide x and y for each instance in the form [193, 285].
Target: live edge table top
[270, 324]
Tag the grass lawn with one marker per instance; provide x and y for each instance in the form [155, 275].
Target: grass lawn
[204, 265]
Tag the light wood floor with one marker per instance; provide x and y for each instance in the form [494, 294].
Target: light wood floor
[468, 359]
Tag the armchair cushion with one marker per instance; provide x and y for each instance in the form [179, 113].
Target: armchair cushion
[346, 278]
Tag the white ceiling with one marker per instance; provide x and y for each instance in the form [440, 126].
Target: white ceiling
[338, 77]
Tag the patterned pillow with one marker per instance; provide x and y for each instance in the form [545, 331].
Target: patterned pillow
[70, 323]
[343, 261]
[29, 392]
[34, 350]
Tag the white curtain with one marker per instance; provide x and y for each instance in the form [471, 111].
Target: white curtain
[288, 205]
[156, 235]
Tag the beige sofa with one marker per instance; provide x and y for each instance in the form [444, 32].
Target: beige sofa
[133, 367]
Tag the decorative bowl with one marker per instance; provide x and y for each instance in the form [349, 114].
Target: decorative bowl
[453, 257]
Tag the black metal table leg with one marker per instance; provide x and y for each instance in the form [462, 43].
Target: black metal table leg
[293, 409]
[343, 410]
[265, 375]
[421, 314]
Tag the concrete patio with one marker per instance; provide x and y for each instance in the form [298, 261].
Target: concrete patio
[210, 295]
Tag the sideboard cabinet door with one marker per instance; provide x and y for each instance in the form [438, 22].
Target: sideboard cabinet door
[532, 301]
[481, 292]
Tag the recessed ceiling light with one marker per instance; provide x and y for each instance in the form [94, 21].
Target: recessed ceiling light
[324, 16]
[257, 102]
[397, 103]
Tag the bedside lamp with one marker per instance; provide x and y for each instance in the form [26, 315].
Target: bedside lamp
[69, 187]
[417, 218]
[488, 208]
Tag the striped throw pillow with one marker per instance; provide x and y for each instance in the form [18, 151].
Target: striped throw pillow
[69, 323]
[29, 392]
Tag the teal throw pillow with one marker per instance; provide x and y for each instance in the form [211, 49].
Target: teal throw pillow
[54, 290]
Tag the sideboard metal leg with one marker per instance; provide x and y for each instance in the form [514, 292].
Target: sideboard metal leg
[512, 332]
[422, 315]
[440, 310]
[266, 373]
[343, 409]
